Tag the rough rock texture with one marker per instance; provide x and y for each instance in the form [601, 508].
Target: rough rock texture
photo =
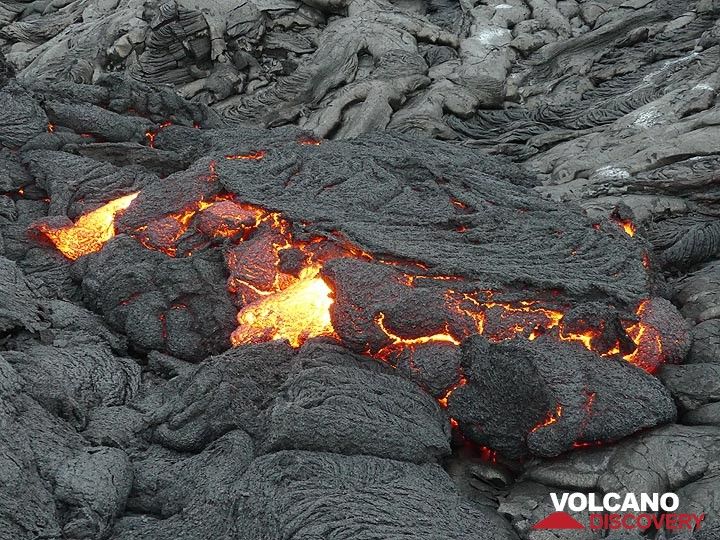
[399, 422]
[20, 307]
[419, 500]
[582, 178]
[675, 458]
[535, 397]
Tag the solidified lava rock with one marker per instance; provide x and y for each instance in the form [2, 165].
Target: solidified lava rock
[431, 208]
[418, 199]
[676, 458]
[189, 493]
[226, 392]
[137, 421]
[349, 410]
[18, 305]
[362, 496]
[179, 305]
[542, 397]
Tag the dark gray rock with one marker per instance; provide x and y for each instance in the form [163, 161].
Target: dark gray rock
[91, 490]
[701, 497]
[22, 117]
[178, 305]
[26, 502]
[320, 495]
[70, 380]
[526, 503]
[193, 496]
[19, 306]
[541, 397]
[692, 385]
[660, 460]
[706, 343]
[227, 392]
[704, 415]
[355, 411]
[698, 294]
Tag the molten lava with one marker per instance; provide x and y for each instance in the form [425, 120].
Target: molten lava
[397, 340]
[550, 419]
[90, 232]
[295, 313]
[252, 156]
[648, 342]
[625, 224]
[151, 134]
[276, 279]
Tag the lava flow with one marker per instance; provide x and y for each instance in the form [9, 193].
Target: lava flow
[90, 232]
[295, 313]
[277, 284]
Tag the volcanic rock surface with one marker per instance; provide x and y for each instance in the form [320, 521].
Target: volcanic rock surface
[355, 268]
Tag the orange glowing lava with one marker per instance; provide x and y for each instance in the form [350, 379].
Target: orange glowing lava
[252, 156]
[443, 400]
[648, 342]
[308, 141]
[163, 233]
[295, 313]
[90, 232]
[150, 134]
[397, 340]
[550, 419]
[626, 225]
[275, 278]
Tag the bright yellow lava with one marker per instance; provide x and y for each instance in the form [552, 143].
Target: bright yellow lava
[90, 232]
[296, 313]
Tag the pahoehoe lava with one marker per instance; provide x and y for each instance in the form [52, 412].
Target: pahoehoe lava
[368, 269]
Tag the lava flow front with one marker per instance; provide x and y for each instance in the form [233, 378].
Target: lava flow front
[278, 285]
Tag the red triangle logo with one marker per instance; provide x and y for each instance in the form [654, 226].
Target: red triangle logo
[559, 520]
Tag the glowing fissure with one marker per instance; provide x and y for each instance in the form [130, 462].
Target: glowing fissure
[550, 419]
[397, 340]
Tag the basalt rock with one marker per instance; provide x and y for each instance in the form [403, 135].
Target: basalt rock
[20, 307]
[224, 394]
[355, 411]
[336, 493]
[191, 495]
[675, 458]
[490, 310]
[434, 207]
[568, 397]
[706, 343]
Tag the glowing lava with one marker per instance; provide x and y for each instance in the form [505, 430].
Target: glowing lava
[275, 279]
[550, 419]
[295, 313]
[397, 340]
[252, 156]
[626, 225]
[648, 342]
[90, 232]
